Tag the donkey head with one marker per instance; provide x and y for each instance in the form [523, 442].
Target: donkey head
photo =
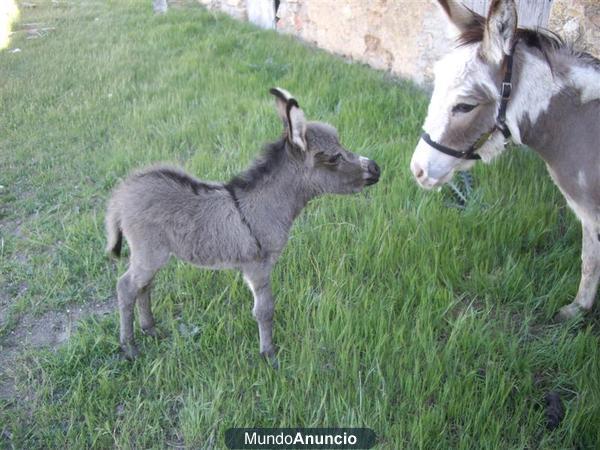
[328, 167]
[462, 116]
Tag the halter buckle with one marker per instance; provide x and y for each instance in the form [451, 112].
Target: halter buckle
[506, 90]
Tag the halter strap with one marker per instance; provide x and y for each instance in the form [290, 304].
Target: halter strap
[505, 93]
[469, 154]
[500, 125]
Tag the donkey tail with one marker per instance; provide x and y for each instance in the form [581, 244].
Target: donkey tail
[114, 234]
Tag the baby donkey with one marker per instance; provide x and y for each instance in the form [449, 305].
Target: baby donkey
[243, 224]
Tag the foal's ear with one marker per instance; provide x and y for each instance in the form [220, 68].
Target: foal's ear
[461, 18]
[500, 31]
[292, 117]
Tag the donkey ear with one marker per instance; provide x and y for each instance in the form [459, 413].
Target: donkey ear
[460, 18]
[292, 117]
[500, 31]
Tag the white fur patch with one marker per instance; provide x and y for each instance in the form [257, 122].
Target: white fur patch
[581, 179]
[433, 168]
[285, 93]
[533, 93]
[493, 147]
[298, 123]
[587, 81]
[456, 76]
[364, 164]
[589, 218]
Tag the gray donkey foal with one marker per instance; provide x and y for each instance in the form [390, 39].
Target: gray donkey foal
[243, 224]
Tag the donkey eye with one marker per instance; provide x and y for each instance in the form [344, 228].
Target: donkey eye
[335, 158]
[463, 108]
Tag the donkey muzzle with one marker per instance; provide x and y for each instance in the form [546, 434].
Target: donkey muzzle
[374, 172]
[371, 171]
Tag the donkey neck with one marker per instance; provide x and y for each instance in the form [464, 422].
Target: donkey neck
[549, 102]
[557, 115]
[567, 129]
[534, 86]
[271, 194]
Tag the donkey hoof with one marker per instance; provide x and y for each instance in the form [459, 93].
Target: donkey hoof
[569, 312]
[272, 351]
[153, 332]
[271, 357]
[271, 360]
[274, 362]
[130, 351]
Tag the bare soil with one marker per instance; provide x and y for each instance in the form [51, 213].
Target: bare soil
[50, 330]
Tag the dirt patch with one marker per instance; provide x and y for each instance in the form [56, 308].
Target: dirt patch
[48, 331]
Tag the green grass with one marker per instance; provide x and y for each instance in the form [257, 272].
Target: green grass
[431, 325]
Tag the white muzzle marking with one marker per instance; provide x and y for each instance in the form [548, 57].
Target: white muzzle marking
[432, 168]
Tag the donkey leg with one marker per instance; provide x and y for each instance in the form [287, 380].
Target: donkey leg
[259, 283]
[145, 315]
[126, 293]
[590, 275]
[129, 287]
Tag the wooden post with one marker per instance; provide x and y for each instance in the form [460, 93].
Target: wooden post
[261, 12]
[532, 13]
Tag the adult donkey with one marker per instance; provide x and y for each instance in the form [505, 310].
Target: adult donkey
[503, 82]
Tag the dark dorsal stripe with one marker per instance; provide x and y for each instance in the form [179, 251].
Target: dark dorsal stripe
[236, 202]
[180, 178]
[271, 158]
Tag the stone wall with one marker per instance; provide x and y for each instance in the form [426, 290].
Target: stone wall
[578, 21]
[235, 8]
[402, 36]
[386, 34]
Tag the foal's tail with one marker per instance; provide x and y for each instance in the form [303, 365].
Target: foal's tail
[114, 234]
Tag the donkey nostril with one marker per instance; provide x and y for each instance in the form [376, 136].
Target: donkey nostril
[374, 168]
[419, 173]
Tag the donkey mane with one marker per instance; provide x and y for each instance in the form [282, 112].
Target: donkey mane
[542, 39]
[270, 159]
[178, 177]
